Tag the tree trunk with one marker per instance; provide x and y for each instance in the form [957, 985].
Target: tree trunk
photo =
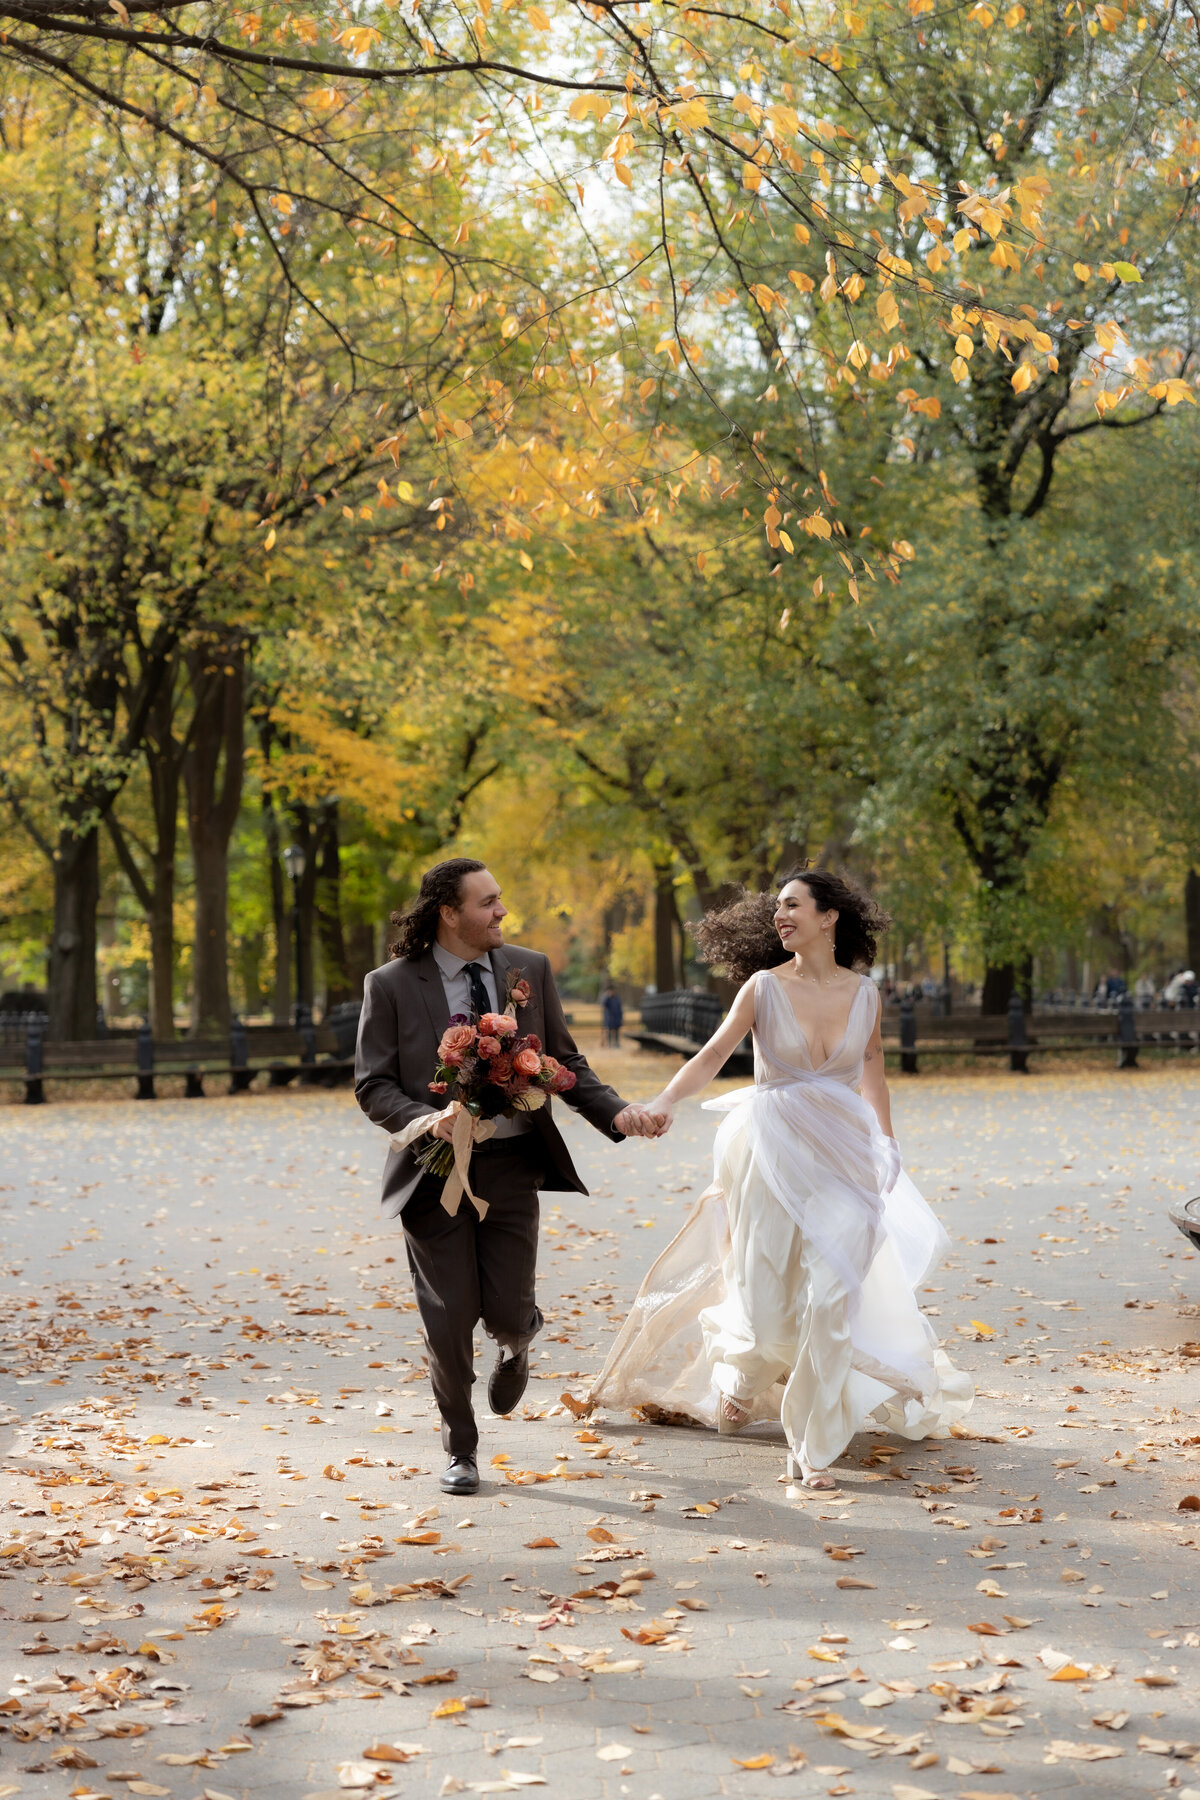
[666, 924]
[213, 769]
[329, 907]
[1191, 913]
[303, 897]
[281, 1004]
[1001, 981]
[164, 762]
[72, 983]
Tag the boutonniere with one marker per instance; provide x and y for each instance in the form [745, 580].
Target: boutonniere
[517, 991]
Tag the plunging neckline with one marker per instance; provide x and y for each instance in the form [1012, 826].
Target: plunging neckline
[803, 1033]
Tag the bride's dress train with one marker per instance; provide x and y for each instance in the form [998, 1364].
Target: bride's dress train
[791, 1288]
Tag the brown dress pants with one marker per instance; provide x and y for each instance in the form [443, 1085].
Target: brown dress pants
[466, 1269]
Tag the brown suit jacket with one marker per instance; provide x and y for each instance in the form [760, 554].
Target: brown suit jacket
[404, 1014]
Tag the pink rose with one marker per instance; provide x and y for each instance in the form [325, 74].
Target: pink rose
[489, 1047]
[564, 1080]
[438, 1087]
[531, 1042]
[520, 993]
[497, 1025]
[527, 1062]
[456, 1041]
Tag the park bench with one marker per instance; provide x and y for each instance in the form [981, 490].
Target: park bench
[314, 1055]
[682, 1022]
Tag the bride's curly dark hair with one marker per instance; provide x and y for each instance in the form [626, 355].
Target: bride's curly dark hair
[741, 938]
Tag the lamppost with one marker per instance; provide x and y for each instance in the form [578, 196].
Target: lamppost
[295, 862]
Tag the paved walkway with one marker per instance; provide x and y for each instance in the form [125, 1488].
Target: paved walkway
[226, 1570]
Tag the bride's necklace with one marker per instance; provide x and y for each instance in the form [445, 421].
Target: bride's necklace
[819, 980]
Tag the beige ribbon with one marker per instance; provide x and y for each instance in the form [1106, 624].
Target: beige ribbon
[468, 1131]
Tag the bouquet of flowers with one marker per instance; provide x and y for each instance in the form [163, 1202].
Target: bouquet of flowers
[494, 1071]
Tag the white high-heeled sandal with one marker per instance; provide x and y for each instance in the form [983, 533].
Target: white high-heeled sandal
[732, 1416]
[821, 1481]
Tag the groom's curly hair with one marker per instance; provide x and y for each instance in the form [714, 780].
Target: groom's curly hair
[417, 925]
[741, 938]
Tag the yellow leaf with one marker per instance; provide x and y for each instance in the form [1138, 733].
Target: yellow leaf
[753, 1762]
[269, 540]
[887, 311]
[751, 177]
[692, 115]
[799, 279]
[420, 1537]
[817, 525]
[982, 1329]
[1083, 270]
[597, 104]
[526, 562]
[802, 233]
[786, 541]
[538, 19]
[448, 1708]
[282, 203]
[1069, 1672]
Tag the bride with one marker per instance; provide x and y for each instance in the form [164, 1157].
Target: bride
[789, 1294]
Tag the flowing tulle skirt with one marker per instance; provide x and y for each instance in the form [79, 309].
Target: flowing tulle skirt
[818, 1330]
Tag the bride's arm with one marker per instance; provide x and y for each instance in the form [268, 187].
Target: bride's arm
[874, 1087]
[707, 1063]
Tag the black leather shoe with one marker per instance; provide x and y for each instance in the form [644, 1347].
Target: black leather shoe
[460, 1476]
[509, 1379]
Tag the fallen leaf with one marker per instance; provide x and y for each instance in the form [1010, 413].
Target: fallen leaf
[599, 1535]
[852, 1581]
[1084, 1752]
[543, 1543]
[753, 1762]
[613, 1752]
[419, 1537]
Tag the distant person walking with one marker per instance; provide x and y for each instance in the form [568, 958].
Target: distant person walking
[612, 1015]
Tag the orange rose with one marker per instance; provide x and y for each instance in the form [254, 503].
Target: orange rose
[456, 1041]
[527, 1062]
[489, 1047]
[497, 1025]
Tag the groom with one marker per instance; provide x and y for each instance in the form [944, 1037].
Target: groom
[450, 957]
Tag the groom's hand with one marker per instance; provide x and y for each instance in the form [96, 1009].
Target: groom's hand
[636, 1121]
[444, 1128]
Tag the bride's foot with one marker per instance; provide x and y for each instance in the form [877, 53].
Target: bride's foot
[821, 1481]
[731, 1416]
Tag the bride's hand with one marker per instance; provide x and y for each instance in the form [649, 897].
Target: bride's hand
[663, 1114]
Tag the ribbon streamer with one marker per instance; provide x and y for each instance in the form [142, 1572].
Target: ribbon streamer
[468, 1131]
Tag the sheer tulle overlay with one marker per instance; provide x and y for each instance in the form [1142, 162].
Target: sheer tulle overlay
[791, 1288]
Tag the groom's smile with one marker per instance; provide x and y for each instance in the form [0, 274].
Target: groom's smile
[475, 924]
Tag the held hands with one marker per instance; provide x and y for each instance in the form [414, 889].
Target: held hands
[643, 1121]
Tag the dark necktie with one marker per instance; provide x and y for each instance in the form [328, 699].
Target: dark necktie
[479, 996]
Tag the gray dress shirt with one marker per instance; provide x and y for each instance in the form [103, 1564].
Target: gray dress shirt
[452, 970]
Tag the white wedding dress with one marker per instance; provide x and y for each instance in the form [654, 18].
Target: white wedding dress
[791, 1288]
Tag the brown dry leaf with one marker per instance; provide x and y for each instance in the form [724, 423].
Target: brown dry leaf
[599, 1535]
[332, 1473]
[692, 1605]
[419, 1537]
[436, 1678]
[1154, 1679]
[393, 1753]
[1069, 1752]
[983, 1629]
[1111, 1721]
[580, 1408]
[263, 1718]
[852, 1581]
[1018, 1624]
[448, 1709]
[147, 1787]
[313, 1584]
[543, 1543]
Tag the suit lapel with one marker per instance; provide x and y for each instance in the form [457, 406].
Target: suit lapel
[429, 979]
[499, 958]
